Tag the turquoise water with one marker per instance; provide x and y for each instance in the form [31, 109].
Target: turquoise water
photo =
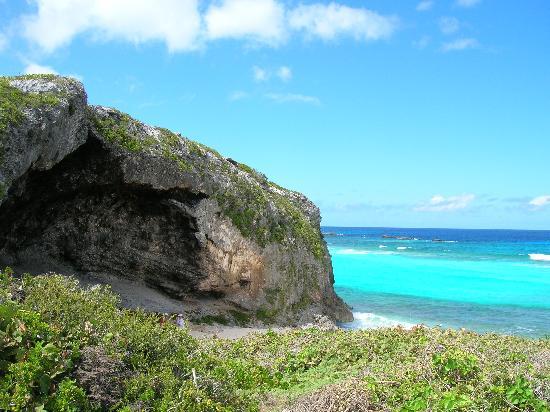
[488, 281]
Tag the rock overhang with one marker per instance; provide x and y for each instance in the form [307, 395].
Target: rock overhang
[241, 237]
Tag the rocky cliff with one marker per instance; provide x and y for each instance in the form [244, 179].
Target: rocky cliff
[88, 190]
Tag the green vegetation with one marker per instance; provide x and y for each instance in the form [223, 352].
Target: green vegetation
[250, 206]
[47, 323]
[121, 129]
[266, 316]
[240, 318]
[116, 129]
[211, 319]
[169, 143]
[246, 168]
[300, 226]
[249, 202]
[13, 102]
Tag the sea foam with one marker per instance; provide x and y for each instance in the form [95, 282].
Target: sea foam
[352, 252]
[539, 257]
[366, 320]
[363, 252]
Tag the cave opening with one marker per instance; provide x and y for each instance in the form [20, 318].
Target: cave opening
[81, 216]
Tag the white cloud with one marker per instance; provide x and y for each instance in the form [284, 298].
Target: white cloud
[184, 26]
[540, 201]
[238, 95]
[293, 98]
[467, 3]
[258, 20]
[33, 68]
[460, 44]
[284, 73]
[424, 5]
[422, 43]
[174, 22]
[449, 25]
[440, 203]
[333, 20]
[260, 75]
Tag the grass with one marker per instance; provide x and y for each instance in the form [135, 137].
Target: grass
[47, 322]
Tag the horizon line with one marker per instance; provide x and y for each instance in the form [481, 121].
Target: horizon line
[436, 228]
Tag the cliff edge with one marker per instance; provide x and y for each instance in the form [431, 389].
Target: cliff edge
[90, 191]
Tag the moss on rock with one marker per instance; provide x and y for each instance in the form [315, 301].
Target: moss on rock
[261, 210]
[13, 102]
[116, 129]
[194, 192]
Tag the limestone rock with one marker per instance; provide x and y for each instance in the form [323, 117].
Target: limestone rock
[89, 190]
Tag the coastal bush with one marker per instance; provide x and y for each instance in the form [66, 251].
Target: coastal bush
[455, 365]
[34, 363]
[57, 339]
[520, 394]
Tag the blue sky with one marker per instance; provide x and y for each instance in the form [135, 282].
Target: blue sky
[385, 113]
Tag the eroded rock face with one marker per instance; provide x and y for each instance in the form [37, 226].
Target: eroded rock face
[91, 190]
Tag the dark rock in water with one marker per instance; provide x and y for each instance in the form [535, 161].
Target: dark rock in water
[88, 190]
[397, 237]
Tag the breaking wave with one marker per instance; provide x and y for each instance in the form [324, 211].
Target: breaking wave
[539, 257]
[366, 320]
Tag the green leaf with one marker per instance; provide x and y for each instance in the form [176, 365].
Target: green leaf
[44, 381]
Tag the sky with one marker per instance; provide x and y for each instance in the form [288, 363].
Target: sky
[420, 113]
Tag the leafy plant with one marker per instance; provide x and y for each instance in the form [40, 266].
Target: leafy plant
[158, 366]
[521, 395]
[456, 365]
[453, 401]
[33, 360]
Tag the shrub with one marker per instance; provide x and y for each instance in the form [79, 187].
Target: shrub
[68, 398]
[102, 376]
[33, 360]
[520, 394]
[129, 360]
[456, 365]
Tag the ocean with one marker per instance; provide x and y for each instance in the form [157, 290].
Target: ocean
[482, 280]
